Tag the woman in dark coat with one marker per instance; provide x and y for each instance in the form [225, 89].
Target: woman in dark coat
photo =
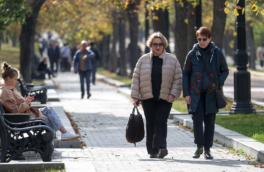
[203, 61]
[43, 66]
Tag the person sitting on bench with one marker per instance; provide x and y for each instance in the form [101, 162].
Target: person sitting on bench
[42, 66]
[14, 102]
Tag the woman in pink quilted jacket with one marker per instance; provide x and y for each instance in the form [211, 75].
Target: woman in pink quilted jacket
[157, 82]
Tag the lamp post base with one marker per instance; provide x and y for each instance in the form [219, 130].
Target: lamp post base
[244, 108]
[242, 92]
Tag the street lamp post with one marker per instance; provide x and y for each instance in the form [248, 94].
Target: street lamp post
[242, 88]
[147, 50]
[198, 15]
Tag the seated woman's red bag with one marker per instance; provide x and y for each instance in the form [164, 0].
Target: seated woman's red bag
[135, 131]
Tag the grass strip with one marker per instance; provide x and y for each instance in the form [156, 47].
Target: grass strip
[251, 125]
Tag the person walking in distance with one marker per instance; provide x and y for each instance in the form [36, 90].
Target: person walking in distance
[82, 64]
[260, 54]
[157, 81]
[66, 59]
[94, 61]
[205, 71]
[54, 56]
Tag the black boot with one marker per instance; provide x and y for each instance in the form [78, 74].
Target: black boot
[207, 154]
[162, 153]
[198, 152]
[154, 155]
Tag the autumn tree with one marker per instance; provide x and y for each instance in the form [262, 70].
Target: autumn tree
[27, 38]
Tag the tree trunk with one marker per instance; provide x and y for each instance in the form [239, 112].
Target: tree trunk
[133, 29]
[1, 37]
[27, 40]
[107, 53]
[14, 41]
[219, 22]
[113, 56]
[103, 50]
[191, 26]
[161, 24]
[181, 30]
[122, 43]
[250, 45]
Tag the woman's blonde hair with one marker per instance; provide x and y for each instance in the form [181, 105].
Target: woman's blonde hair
[156, 35]
[43, 58]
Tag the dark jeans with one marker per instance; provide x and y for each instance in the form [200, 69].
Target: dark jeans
[49, 72]
[94, 72]
[156, 113]
[85, 74]
[65, 64]
[54, 63]
[203, 136]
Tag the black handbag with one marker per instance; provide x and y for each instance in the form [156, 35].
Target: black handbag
[135, 131]
[220, 99]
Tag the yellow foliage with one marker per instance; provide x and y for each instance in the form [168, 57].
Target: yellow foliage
[254, 163]
[227, 4]
[236, 12]
[226, 10]
[155, 18]
[254, 7]
[243, 10]
[262, 12]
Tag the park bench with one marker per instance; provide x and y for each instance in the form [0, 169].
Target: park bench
[40, 92]
[16, 138]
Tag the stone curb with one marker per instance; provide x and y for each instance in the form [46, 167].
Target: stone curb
[230, 138]
[53, 101]
[30, 166]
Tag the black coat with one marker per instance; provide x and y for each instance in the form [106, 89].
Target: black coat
[97, 55]
[54, 54]
[42, 66]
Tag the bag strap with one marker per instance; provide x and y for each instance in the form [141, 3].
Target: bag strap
[133, 112]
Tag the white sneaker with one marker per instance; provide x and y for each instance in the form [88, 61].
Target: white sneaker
[56, 153]
[69, 136]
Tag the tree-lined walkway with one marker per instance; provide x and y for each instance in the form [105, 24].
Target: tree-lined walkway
[102, 121]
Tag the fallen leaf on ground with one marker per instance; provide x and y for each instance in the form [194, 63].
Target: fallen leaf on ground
[83, 120]
[254, 163]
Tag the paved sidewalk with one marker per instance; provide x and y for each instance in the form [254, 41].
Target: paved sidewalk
[102, 121]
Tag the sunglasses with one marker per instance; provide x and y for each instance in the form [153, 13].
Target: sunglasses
[156, 45]
[200, 39]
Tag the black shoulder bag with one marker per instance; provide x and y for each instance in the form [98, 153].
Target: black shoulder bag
[135, 127]
[220, 100]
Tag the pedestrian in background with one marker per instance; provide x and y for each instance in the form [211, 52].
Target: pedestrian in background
[203, 61]
[94, 61]
[82, 64]
[157, 81]
[42, 66]
[260, 54]
[54, 56]
[66, 57]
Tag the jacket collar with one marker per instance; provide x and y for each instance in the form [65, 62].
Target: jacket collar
[6, 87]
[162, 56]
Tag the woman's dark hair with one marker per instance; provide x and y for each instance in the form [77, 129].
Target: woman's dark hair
[8, 71]
[204, 31]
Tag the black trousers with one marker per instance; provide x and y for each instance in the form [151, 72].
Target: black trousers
[156, 114]
[203, 136]
[54, 63]
[65, 64]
